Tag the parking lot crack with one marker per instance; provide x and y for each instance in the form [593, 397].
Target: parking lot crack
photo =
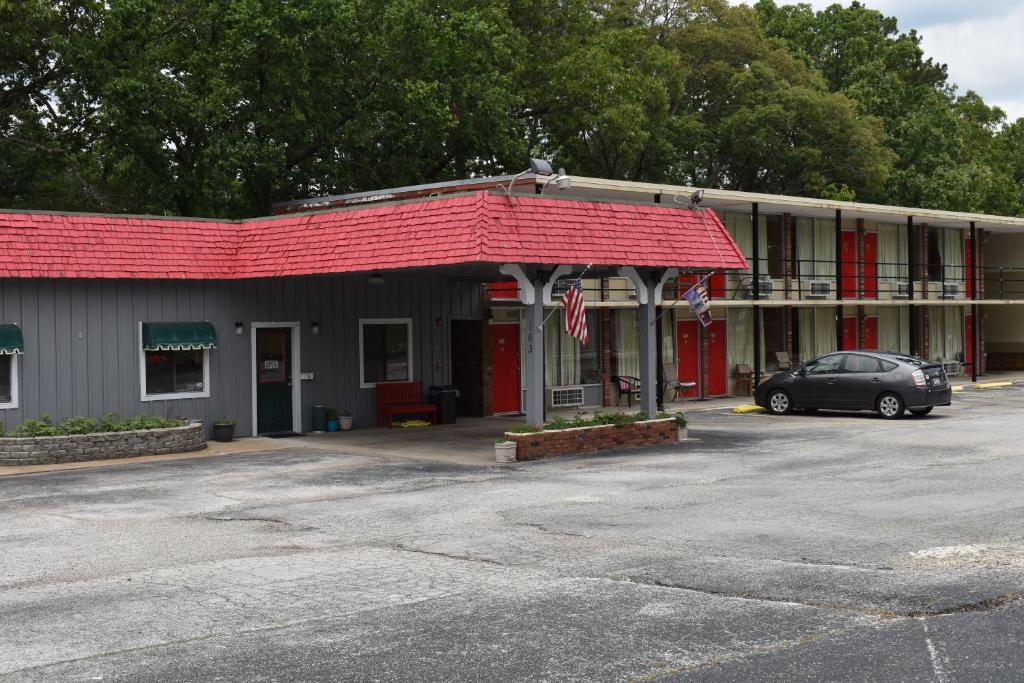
[544, 528]
[450, 556]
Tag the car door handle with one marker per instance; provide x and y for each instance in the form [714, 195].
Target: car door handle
[833, 381]
[876, 380]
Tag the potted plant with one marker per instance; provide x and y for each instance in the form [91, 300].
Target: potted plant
[223, 429]
[682, 431]
[332, 420]
[504, 451]
[345, 420]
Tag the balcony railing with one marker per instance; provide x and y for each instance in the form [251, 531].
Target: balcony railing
[815, 280]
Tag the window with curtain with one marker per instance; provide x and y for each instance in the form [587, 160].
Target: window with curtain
[740, 348]
[815, 248]
[626, 351]
[892, 253]
[952, 245]
[894, 329]
[816, 332]
[945, 332]
[566, 361]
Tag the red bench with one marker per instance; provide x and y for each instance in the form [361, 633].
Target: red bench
[402, 398]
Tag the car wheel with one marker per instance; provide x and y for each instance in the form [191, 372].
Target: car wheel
[890, 406]
[919, 412]
[779, 403]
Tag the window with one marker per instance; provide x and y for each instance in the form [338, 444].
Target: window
[385, 351]
[566, 361]
[8, 380]
[858, 363]
[175, 360]
[774, 246]
[11, 345]
[825, 365]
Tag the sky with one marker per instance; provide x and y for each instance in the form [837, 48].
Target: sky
[981, 42]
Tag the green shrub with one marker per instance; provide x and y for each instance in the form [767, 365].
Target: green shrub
[83, 425]
[77, 425]
[33, 427]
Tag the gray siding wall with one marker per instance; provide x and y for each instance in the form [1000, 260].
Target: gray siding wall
[82, 339]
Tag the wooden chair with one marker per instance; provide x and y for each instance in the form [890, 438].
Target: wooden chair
[783, 360]
[628, 387]
[744, 379]
[402, 398]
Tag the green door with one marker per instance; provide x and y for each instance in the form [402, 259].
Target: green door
[273, 380]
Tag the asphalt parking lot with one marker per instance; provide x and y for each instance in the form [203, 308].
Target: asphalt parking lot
[807, 547]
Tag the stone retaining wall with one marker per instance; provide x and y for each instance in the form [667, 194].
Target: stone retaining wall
[537, 445]
[46, 450]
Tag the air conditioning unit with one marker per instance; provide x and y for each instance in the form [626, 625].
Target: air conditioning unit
[566, 397]
[819, 289]
[559, 288]
[902, 290]
[950, 290]
[765, 285]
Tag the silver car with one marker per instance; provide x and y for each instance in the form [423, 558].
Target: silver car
[886, 382]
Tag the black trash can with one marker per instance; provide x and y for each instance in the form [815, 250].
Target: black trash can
[319, 418]
[445, 398]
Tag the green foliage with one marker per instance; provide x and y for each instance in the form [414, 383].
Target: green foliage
[44, 426]
[77, 425]
[220, 109]
[523, 429]
[33, 427]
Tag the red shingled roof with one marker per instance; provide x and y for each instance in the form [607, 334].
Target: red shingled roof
[474, 228]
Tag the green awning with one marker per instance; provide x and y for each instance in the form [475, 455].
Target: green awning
[11, 341]
[178, 336]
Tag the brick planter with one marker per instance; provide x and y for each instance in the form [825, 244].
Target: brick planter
[552, 444]
[46, 450]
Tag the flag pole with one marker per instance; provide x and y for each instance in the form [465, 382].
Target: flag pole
[555, 309]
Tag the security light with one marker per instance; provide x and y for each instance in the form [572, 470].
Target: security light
[562, 182]
[376, 279]
[239, 328]
[537, 167]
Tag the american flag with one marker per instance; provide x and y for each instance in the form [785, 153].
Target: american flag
[575, 313]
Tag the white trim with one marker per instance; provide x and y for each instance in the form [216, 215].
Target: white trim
[15, 364]
[175, 396]
[630, 273]
[526, 293]
[384, 321]
[296, 373]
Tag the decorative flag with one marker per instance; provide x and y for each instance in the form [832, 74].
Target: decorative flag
[697, 297]
[575, 313]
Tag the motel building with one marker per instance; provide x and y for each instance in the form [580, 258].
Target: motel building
[459, 284]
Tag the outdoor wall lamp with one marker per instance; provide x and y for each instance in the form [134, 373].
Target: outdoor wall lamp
[537, 167]
[376, 279]
[315, 327]
[239, 328]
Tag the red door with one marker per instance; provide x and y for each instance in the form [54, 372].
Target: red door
[969, 339]
[688, 351]
[849, 341]
[716, 285]
[870, 266]
[871, 334]
[718, 376]
[505, 373]
[849, 264]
